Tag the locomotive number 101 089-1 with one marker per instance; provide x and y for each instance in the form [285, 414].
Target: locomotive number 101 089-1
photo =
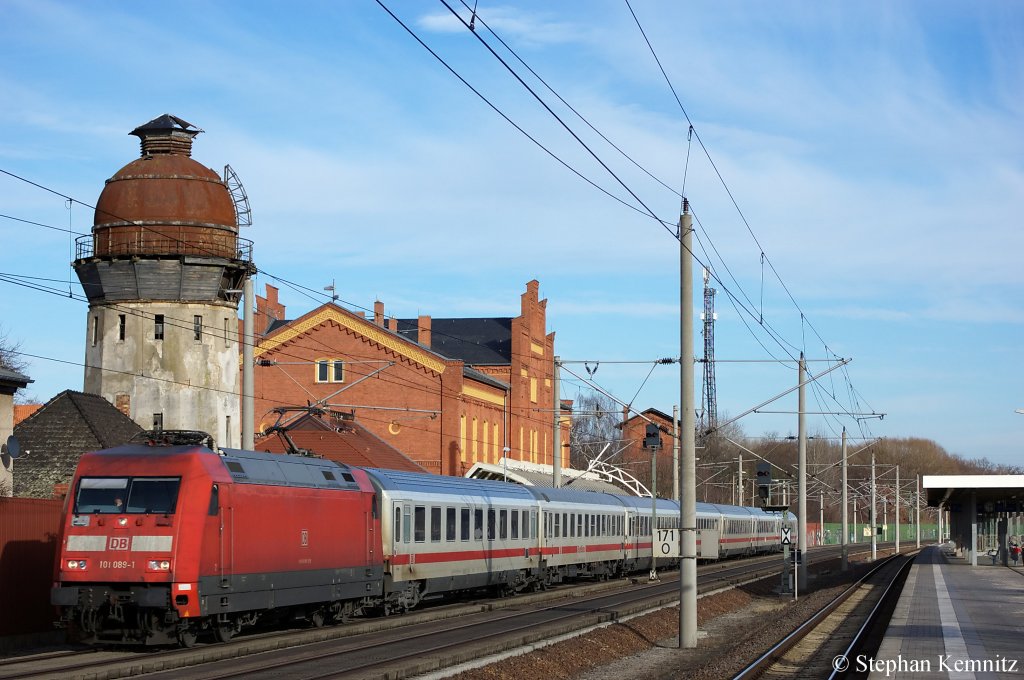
[117, 564]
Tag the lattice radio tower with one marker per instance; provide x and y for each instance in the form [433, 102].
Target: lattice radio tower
[708, 316]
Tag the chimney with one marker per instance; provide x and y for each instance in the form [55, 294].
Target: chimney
[378, 313]
[166, 135]
[423, 335]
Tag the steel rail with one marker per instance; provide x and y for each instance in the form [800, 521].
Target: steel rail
[761, 664]
[869, 622]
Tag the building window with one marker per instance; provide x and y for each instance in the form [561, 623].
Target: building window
[158, 327]
[95, 330]
[158, 421]
[227, 430]
[227, 331]
[533, 390]
[462, 438]
[122, 323]
[330, 371]
[486, 443]
[197, 327]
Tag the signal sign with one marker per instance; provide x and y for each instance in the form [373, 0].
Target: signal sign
[652, 437]
[764, 474]
[667, 544]
[786, 538]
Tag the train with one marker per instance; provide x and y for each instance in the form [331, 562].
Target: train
[170, 539]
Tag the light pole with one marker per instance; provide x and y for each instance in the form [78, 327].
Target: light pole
[897, 508]
[844, 537]
[874, 521]
[917, 509]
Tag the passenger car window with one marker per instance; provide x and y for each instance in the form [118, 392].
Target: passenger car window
[420, 526]
[449, 524]
[435, 525]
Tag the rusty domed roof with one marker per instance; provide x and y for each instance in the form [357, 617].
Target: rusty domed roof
[165, 203]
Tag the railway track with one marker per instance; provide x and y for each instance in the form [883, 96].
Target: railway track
[426, 647]
[850, 625]
[466, 616]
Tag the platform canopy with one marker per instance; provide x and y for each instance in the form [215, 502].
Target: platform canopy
[536, 474]
[994, 493]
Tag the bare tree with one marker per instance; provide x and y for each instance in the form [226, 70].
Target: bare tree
[594, 424]
[12, 359]
[10, 353]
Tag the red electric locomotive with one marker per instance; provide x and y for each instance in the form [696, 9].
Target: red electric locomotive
[167, 539]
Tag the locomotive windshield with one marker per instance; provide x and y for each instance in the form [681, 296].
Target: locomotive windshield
[127, 495]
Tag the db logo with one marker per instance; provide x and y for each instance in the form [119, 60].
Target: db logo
[119, 542]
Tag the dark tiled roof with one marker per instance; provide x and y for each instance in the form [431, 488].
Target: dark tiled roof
[652, 412]
[275, 324]
[482, 342]
[484, 378]
[351, 444]
[12, 380]
[54, 438]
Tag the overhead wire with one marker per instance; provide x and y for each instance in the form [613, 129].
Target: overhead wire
[648, 213]
[721, 179]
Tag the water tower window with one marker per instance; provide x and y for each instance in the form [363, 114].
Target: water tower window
[158, 421]
[95, 330]
[121, 323]
[197, 327]
[158, 327]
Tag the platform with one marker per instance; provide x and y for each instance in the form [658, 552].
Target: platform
[954, 621]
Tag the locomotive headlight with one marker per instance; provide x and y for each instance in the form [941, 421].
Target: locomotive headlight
[122, 521]
[158, 565]
[76, 565]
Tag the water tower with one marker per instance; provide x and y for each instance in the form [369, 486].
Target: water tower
[163, 270]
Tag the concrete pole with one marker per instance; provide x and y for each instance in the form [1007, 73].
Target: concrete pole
[675, 453]
[821, 518]
[654, 513]
[854, 519]
[846, 526]
[874, 515]
[556, 458]
[688, 473]
[917, 510]
[802, 476]
[740, 468]
[897, 508]
[248, 367]
[973, 515]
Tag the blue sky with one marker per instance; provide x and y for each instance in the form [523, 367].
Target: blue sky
[874, 149]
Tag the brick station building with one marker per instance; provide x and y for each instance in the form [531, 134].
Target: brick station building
[446, 392]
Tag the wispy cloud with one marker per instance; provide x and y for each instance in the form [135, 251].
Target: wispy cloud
[529, 28]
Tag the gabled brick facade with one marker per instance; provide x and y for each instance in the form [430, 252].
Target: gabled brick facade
[442, 411]
[637, 460]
